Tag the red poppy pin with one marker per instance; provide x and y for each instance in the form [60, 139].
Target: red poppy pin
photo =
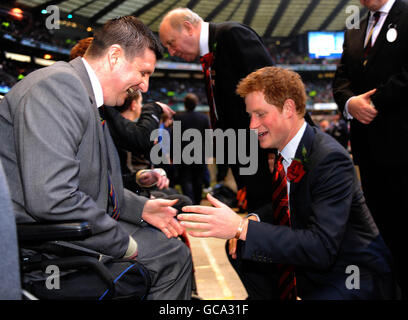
[296, 170]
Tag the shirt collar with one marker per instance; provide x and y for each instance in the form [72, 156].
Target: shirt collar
[289, 151]
[386, 7]
[204, 38]
[96, 85]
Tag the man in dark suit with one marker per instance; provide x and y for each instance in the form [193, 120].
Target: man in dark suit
[371, 90]
[191, 176]
[237, 51]
[62, 164]
[331, 230]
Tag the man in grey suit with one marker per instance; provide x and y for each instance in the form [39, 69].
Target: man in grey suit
[60, 161]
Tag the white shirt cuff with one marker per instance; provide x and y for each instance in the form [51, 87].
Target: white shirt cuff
[346, 114]
[253, 214]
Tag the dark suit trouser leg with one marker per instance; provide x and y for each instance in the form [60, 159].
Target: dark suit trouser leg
[259, 279]
[168, 261]
[192, 180]
[386, 192]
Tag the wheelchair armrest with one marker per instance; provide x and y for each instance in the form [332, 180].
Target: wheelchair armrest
[38, 232]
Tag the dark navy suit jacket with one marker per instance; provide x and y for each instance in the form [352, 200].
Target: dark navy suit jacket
[331, 226]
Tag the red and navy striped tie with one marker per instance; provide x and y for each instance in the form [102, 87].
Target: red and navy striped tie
[206, 62]
[281, 216]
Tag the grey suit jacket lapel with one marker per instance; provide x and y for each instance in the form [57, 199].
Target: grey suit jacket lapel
[79, 67]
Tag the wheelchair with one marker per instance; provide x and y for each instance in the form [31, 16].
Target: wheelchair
[53, 267]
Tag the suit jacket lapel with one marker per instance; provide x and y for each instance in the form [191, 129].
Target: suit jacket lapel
[392, 19]
[305, 142]
[79, 67]
[212, 36]
[361, 35]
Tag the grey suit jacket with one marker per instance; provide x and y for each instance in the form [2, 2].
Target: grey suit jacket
[57, 156]
[10, 288]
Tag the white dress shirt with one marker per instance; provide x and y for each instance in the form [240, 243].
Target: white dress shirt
[384, 10]
[204, 38]
[289, 151]
[96, 85]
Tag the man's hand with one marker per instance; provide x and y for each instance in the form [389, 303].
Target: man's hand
[168, 114]
[160, 214]
[360, 107]
[162, 180]
[219, 222]
[147, 178]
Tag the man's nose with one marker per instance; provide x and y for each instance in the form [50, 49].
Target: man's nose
[144, 85]
[254, 123]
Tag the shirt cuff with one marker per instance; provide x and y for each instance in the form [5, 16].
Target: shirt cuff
[346, 114]
[253, 214]
[131, 251]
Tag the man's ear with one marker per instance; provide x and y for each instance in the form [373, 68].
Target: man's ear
[115, 53]
[188, 27]
[133, 105]
[289, 108]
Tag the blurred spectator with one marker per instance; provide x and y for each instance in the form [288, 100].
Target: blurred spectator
[324, 125]
[80, 48]
[339, 130]
[192, 175]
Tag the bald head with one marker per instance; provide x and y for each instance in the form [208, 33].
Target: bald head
[180, 33]
[373, 5]
[176, 17]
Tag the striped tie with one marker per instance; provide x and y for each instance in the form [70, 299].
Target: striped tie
[368, 45]
[206, 63]
[112, 195]
[281, 216]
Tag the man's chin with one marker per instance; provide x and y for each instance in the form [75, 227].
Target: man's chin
[264, 144]
[188, 58]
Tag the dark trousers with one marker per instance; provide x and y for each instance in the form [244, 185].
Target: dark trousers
[192, 180]
[261, 282]
[259, 279]
[385, 188]
[258, 185]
